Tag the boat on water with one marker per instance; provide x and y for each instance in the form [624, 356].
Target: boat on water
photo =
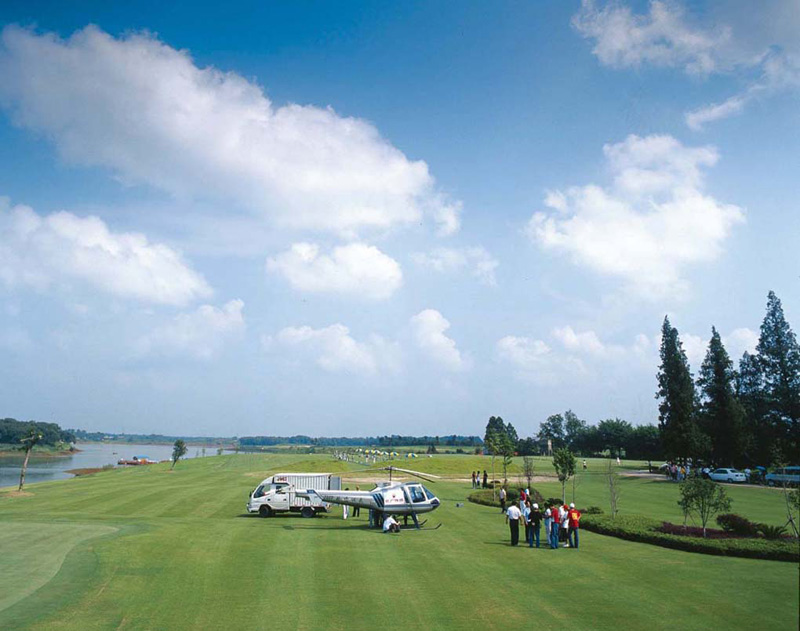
[136, 460]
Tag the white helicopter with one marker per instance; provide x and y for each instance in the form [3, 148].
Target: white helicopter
[387, 498]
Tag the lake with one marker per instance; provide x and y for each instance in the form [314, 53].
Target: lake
[91, 455]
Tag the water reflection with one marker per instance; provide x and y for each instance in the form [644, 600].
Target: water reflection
[91, 455]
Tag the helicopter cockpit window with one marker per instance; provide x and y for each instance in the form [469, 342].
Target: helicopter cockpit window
[417, 495]
[428, 493]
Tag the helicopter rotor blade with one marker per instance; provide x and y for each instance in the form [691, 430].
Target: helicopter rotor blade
[425, 476]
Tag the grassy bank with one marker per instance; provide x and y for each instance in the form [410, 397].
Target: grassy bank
[147, 548]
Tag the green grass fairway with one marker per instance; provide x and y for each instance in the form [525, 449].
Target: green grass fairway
[147, 548]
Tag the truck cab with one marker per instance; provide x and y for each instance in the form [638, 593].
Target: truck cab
[271, 497]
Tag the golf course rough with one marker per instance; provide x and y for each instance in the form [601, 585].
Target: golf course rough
[147, 548]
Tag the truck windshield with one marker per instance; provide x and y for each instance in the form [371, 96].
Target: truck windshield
[259, 491]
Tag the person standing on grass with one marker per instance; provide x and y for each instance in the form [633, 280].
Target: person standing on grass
[522, 499]
[473, 479]
[564, 525]
[574, 524]
[526, 517]
[485, 480]
[357, 509]
[512, 517]
[554, 520]
[548, 517]
[536, 523]
[502, 499]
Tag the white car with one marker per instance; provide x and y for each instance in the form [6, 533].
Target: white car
[727, 475]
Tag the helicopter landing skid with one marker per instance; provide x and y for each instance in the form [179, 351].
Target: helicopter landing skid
[421, 529]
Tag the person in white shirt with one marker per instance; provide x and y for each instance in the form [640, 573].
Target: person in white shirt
[390, 524]
[513, 515]
[548, 518]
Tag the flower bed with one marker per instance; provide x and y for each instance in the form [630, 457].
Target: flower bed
[646, 530]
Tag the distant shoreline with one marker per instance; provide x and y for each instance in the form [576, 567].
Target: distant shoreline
[10, 450]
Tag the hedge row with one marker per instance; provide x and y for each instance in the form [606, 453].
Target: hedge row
[645, 530]
[484, 497]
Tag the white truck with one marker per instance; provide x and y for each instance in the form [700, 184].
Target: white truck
[276, 494]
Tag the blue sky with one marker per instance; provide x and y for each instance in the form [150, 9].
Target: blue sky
[356, 218]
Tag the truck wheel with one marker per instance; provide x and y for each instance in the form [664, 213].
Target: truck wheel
[265, 511]
[308, 512]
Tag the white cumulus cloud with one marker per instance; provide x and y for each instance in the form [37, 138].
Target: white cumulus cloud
[428, 328]
[62, 248]
[334, 350]
[763, 48]
[650, 224]
[582, 342]
[477, 260]
[358, 269]
[145, 111]
[661, 37]
[535, 361]
[201, 334]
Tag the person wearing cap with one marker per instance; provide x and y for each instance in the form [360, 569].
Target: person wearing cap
[536, 523]
[512, 517]
[574, 517]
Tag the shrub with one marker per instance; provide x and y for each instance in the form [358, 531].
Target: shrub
[593, 510]
[738, 525]
[646, 530]
[771, 532]
[484, 497]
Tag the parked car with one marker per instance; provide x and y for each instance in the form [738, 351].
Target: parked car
[727, 475]
[790, 475]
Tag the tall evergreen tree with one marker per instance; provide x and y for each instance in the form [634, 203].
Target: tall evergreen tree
[677, 422]
[721, 415]
[779, 356]
[758, 434]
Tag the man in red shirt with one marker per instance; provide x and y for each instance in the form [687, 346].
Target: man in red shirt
[574, 517]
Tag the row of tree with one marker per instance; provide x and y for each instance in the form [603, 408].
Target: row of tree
[13, 432]
[566, 431]
[749, 416]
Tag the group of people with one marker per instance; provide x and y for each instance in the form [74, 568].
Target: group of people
[676, 472]
[561, 522]
[476, 479]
